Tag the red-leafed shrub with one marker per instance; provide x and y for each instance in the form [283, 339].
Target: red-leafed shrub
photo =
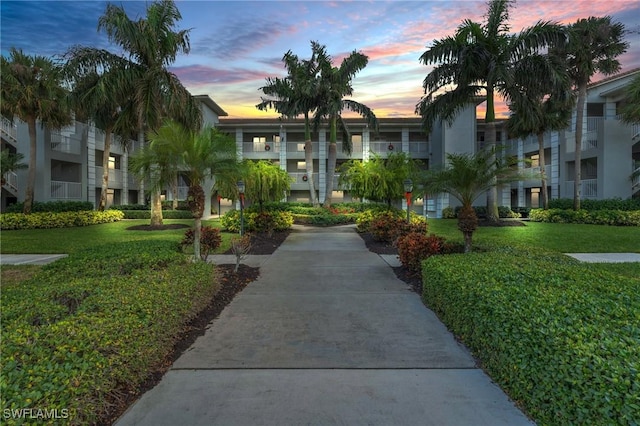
[414, 247]
[387, 226]
[210, 240]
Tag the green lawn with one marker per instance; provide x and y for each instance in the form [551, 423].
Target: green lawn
[564, 238]
[69, 240]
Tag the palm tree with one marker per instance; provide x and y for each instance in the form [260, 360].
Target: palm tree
[10, 163]
[592, 47]
[334, 85]
[32, 91]
[99, 98]
[297, 94]
[466, 177]
[379, 179]
[150, 45]
[477, 60]
[198, 156]
[539, 105]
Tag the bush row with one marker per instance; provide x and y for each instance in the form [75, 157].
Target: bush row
[267, 221]
[166, 214]
[52, 207]
[325, 219]
[560, 337]
[90, 327]
[594, 217]
[9, 221]
[504, 212]
[587, 204]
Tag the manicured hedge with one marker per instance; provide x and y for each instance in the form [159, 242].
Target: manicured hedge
[166, 214]
[588, 204]
[10, 221]
[257, 222]
[560, 337]
[593, 217]
[52, 207]
[92, 326]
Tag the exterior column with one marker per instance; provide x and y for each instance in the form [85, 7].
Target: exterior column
[366, 143]
[283, 155]
[322, 165]
[553, 171]
[91, 166]
[521, 192]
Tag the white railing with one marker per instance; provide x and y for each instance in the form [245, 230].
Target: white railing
[66, 190]
[589, 188]
[11, 180]
[594, 123]
[295, 146]
[259, 147]
[65, 144]
[302, 177]
[636, 131]
[418, 147]
[115, 176]
[381, 147]
[635, 182]
[10, 129]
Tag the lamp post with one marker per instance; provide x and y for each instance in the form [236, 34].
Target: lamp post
[240, 185]
[408, 188]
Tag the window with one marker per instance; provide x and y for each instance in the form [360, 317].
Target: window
[535, 160]
[356, 138]
[276, 138]
[259, 139]
[114, 162]
[302, 165]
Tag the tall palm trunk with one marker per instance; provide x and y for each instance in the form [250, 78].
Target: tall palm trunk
[195, 199]
[105, 169]
[490, 139]
[331, 161]
[467, 224]
[577, 181]
[308, 160]
[492, 192]
[156, 208]
[31, 176]
[543, 174]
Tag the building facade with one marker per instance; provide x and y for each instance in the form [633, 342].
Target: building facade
[70, 160]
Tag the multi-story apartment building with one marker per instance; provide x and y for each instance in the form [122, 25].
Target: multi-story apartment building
[69, 161]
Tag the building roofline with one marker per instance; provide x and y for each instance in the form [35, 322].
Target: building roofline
[206, 99]
[612, 78]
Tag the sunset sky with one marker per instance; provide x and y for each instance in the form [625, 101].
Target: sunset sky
[235, 45]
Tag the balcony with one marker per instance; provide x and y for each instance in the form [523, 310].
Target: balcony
[9, 131]
[11, 182]
[385, 147]
[115, 177]
[589, 188]
[66, 190]
[65, 144]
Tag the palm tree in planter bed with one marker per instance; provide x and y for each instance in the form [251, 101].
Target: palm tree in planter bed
[174, 149]
[466, 177]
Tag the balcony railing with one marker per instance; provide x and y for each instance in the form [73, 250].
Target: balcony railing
[11, 181]
[381, 147]
[635, 181]
[589, 188]
[260, 147]
[65, 144]
[299, 178]
[636, 131]
[66, 190]
[9, 129]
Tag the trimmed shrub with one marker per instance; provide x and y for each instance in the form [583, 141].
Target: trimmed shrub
[449, 213]
[560, 337]
[280, 220]
[166, 214]
[52, 207]
[210, 239]
[389, 225]
[594, 217]
[504, 212]
[12, 221]
[91, 326]
[414, 247]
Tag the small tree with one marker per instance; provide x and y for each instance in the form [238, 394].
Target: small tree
[466, 177]
[378, 179]
[265, 181]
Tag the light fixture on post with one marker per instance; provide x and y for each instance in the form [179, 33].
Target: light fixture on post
[408, 188]
[241, 188]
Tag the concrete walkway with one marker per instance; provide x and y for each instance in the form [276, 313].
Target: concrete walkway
[326, 336]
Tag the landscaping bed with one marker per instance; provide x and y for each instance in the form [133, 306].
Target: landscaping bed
[560, 337]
